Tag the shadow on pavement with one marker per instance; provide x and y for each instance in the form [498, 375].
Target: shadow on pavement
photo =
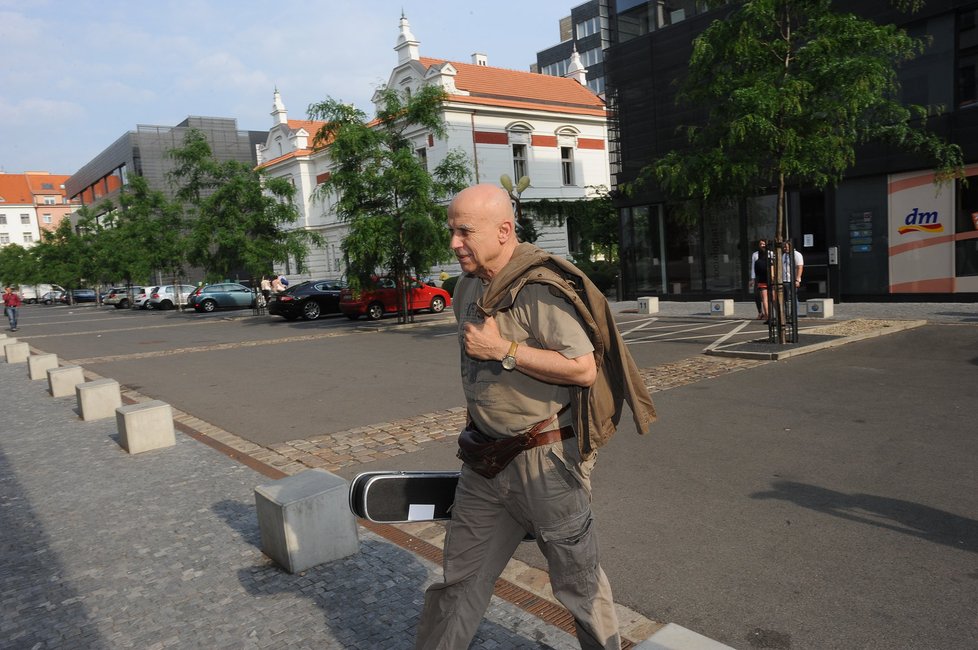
[924, 522]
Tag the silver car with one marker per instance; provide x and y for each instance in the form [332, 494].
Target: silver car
[169, 296]
[141, 299]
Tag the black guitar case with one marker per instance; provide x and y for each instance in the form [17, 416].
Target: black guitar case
[401, 497]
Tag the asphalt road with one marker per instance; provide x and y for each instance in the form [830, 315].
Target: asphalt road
[825, 501]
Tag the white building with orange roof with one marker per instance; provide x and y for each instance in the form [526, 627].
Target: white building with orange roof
[552, 129]
[18, 216]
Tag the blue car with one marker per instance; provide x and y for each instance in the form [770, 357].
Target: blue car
[224, 295]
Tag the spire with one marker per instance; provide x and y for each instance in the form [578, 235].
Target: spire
[279, 115]
[407, 44]
[576, 69]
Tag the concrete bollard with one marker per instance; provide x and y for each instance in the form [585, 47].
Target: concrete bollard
[39, 364]
[305, 520]
[724, 307]
[17, 352]
[62, 381]
[648, 305]
[98, 399]
[145, 426]
[4, 342]
[820, 308]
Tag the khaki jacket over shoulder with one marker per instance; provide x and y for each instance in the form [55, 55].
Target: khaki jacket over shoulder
[597, 409]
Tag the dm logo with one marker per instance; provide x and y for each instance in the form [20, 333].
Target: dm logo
[918, 221]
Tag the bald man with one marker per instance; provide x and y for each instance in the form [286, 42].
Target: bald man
[519, 369]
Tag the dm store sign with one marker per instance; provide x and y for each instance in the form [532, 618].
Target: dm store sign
[918, 220]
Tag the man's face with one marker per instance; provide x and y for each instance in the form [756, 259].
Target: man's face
[475, 242]
[477, 220]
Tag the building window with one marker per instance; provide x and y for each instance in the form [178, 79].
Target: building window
[25, 219]
[49, 200]
[3, 219]
[47, 218]
[592, 57]
[4, 238]
[28, 238]
[968, 58]
[588, 27]
[567, 165]
[558, 69]
[422, 155]
[519, 161]
[596, 85]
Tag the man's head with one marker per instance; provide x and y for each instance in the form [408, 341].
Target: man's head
[762, 244]
[480, 219]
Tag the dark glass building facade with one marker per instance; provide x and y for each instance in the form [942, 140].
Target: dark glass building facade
[886, 232]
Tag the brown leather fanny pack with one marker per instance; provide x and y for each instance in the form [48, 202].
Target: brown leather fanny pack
[488, 456]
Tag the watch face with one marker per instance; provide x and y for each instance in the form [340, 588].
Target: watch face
[509, 362]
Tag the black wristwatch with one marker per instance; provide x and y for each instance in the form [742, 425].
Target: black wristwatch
[509, 361]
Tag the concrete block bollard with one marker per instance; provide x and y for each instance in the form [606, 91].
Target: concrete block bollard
[39, 364]
[4, 342]
[17, 352]
[724, 307]
[98, 399]
[145, 426]
[62, 381]
[305, 520]
[648, 305]
[820, 308]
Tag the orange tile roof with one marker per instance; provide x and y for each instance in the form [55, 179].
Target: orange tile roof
[517, 89]
[15, 190]
[36, 180]
[311, 126]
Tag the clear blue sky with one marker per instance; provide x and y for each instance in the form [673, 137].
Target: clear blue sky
[77, 74]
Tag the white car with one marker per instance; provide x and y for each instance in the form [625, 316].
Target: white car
[170, 295]
[120, 296]
[141, 299]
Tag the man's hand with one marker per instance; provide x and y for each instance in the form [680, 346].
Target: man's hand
[483, 341]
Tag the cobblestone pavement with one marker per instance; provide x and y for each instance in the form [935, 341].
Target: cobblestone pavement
[106, 550]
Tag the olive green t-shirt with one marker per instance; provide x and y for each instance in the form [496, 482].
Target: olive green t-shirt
[506, 403]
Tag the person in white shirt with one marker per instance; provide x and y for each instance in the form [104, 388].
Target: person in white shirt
[790, 256]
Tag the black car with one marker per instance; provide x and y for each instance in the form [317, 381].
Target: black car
[308, 299]
[80, 295]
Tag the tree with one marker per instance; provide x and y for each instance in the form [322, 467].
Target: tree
[793, 87]
[392, 204]
[62, 255]
[241, 218]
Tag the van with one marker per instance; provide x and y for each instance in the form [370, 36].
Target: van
[29, 293]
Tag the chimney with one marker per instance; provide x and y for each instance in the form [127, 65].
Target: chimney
[480, 59]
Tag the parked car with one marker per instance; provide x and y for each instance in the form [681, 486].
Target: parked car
[308, 299]
[381, 298]
[223, 295]
[51, 297]
[120, 296]
[169, 296]
[141, 300]
[79, 295]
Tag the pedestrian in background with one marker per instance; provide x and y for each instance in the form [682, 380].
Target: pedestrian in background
[11, 303]
[266, 287]
[789, 258]
[755, 285]
[277, 286]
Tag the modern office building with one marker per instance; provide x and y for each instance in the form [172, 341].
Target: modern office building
[552, 129]
[886, 232]
[144, 152]
[584, 33]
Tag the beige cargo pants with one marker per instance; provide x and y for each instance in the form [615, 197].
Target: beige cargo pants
[537, 493]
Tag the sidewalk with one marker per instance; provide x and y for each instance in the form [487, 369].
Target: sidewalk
[107, 550]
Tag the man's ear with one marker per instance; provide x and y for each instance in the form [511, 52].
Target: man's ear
[506, 231]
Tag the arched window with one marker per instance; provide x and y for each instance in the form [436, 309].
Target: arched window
[519, 142]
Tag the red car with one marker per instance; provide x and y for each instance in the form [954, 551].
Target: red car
[381, 298]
